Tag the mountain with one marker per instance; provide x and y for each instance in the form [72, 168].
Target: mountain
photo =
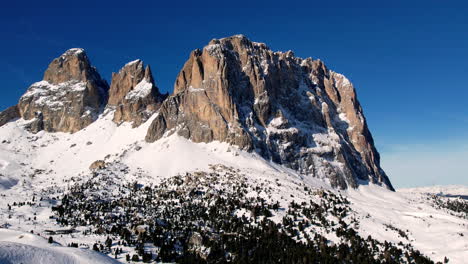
[69, 97]
[256, 157]
[134, 94]
[293, 111]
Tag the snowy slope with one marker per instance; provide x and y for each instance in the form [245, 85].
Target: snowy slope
[26, 248]
[43, 164]
[64, 155]
[442, 190]
[432, 231]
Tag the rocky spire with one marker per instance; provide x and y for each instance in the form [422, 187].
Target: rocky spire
[134, 94]
[293, 111]
[68, 99]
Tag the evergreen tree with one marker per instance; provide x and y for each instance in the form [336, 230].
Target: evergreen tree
[95, 247]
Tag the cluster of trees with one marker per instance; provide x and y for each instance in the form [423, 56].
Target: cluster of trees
[456, 205]
[401, 233]
[194, 218]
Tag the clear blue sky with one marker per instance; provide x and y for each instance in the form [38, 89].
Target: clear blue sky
[407, 59]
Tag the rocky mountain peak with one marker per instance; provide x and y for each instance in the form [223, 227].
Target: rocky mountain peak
[69, 97]
[293, 111]
[134, 94]
[125, 80]
[73, 65]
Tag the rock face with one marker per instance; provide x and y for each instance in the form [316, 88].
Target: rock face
[9, 114]
[293, 111]
[133, 94]
[69, 97]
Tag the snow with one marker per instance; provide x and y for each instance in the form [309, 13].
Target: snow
[44, 93]
[166, 157]
[306, 61]
[19, 247]
[428, 227]
[30, 163]
[73, 51]
[215, 50]
[132, 62]
[3, 164]
[239, 36]
[343, 117]
[194, 90]
[340, 79]
[141, 90]
[330, 139]
[277, 121]
[443, 190]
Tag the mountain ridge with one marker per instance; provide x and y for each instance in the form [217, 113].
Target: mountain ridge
[295, 112]
[202, 197]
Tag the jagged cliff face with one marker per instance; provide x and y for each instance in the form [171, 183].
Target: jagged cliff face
[133, 94]
[72, 94]
[68, 98]
[293, 111]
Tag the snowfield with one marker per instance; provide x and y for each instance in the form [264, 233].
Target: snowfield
[19, 247]
[434, 232]
[34, 164]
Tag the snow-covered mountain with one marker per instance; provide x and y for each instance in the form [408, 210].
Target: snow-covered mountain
[257, 156]
[293, 111]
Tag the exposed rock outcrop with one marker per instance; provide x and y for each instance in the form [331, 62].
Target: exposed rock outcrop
[69, 97]
[97, 165]
[9, 114]
[134, 94]
[293, 111]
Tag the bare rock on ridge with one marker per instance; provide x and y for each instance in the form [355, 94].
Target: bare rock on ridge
[69, 98]
[134, 94]
[9, 114]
